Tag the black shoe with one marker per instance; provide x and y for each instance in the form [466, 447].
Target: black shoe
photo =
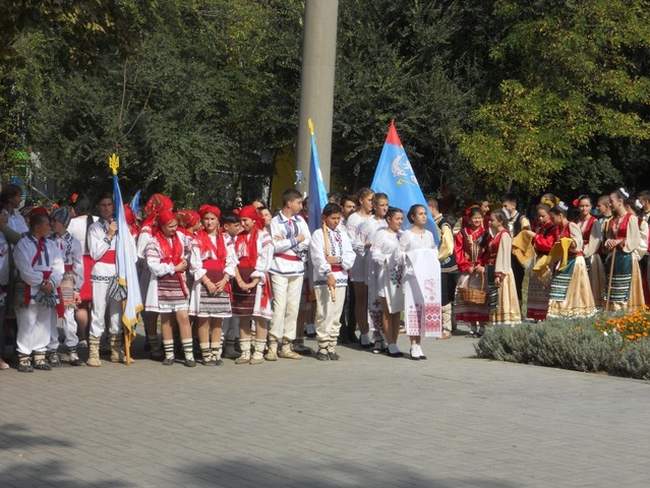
[322, 356]
[378, 347]
[301, 349]
[190, 363]
[76, 362]
[333, 356]
[168, 361]
[43, 366]
[25, 368]
[54, 360]
[209, 362]
[218, 362]
[423, 358]
[365, 346]
[396, 354]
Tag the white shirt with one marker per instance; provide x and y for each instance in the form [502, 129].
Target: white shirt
[77, 229]
[16, 222]
[284, 231]
[341, 247]
[32, 266]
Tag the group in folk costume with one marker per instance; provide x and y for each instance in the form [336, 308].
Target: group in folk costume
[421, 282]
[356, 226]
[213, 264]
[167, 256]
[252, 295]
[332, 257]
[468, 252]
[448, 267]
[570, 292]
[503, 302]
[70, 288]
[40, 269]
[622, 239]
[291, 237]
[592, 239]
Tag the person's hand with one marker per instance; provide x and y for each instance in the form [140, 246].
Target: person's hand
[278, 238]
[47, 287]
[479, 269]
[331, 280]
[611, 243]
[253, 284]
[180, 267]
[300, 238]
[221, 284]
[76, 297]
[333, 260]
[4, 219]
[471, 269]
[211, 287]
[112, 229]
[497, 280]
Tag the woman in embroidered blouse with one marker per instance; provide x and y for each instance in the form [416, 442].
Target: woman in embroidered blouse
[469, 246]
[212, 264]
[503, 303]
[539, 286]
[592, 238]
[570, 294]
[386, 254]
[167, 293]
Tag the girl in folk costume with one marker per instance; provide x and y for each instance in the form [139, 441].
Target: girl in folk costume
[644, 200]
[213, 264]
[156, 204]
[421, 282]
[78, 229]
[10, 200]
[468, 250]
[189, 222]
[592, 238]
[167, 293]
[503, 303]
[386, 254]
[71, 284]
[40, 270]
[543, 239]
[369, 229]
[331, 257]
[131, 221]
[570, 295]
[637, 295]
[358, 274]
[252, 285]
[622, 238]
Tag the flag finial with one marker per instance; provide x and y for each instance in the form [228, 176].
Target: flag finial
[310, 124]
[114, 163]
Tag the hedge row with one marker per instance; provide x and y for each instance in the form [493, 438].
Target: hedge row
[568, 344]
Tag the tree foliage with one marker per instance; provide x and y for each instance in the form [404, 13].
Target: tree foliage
[574, 97]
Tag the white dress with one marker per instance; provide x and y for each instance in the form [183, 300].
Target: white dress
[386, 254]
[355, 227]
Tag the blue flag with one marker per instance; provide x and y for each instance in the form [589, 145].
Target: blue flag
[317, 192]
[135, 202]
[394, 176]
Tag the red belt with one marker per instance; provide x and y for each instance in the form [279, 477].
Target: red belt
[288, 257]
[336, 268]
[107, 258]
[68, 267]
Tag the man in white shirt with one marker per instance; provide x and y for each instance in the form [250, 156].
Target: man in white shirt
[290, 236]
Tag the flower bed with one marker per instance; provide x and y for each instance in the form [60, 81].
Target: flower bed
[619, 345]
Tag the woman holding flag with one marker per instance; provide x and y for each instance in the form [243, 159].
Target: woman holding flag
[167, 293]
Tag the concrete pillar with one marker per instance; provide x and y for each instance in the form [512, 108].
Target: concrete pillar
[317, 85]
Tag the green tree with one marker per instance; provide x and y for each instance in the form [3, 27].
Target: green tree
[572, 109]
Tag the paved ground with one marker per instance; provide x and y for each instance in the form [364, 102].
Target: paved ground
[451, 421]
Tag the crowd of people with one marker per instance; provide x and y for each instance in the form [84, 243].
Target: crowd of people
[248, 284]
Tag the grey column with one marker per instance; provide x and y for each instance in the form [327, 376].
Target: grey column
[317, 85]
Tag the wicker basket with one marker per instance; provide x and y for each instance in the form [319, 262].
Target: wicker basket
[474, 295]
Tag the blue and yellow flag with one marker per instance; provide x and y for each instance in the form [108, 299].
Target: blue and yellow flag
[317, 193]
[125, 257]
[394, 176]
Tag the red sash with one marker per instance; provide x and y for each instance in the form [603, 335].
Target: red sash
[86, 292]
[68, 267]
[336, 268]
[107, 258]
[288, 257]
[214, 271]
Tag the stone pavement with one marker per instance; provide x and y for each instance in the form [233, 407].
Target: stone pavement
[451, 421]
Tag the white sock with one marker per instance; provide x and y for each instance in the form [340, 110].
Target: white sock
[392, 348]
[418, 350]
[364, 339]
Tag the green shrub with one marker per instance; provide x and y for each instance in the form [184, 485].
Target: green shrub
[568, 344]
